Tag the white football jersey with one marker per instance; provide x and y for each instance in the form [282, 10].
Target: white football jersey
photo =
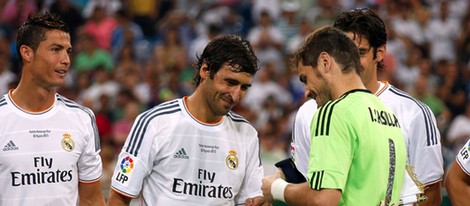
[422, 137]
[44, 155]
[463, 158]
[171, 158]
[300, 146]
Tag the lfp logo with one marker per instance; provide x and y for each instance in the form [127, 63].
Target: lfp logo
[127, 164]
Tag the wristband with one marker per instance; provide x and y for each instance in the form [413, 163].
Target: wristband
[277, 189]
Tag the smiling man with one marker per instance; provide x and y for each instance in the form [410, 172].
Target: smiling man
[195, 150]
[50, 144]
[357, 154]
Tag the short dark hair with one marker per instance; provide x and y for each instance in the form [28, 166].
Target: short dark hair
[364, 22]
[33, 31]
[230, 49]
[332, 41]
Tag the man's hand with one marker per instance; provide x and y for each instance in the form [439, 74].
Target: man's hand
[255, 201]
[266, 187]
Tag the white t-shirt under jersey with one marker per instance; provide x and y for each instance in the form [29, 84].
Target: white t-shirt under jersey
[171, 158]
[44, 155]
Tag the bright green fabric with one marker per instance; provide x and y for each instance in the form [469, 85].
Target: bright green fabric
[350, 149]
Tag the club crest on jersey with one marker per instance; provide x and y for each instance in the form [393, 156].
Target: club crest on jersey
[67, 142]
[232, 160]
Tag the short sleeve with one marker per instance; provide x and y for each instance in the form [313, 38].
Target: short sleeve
[328, 169]
[463, 158]
[134, 161]
[89, 164]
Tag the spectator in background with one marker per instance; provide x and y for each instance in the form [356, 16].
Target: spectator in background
[125, 34]
[463, 41]
[323, 13]
[109, 7]
[264, 86]
[289, 22]
[407, 72]
[16, 12]
[91, 56]
[268, 42]
[145, 14]
[102, 84]
[100, 27]
[442, 32]
[294, 43]
[171, 53]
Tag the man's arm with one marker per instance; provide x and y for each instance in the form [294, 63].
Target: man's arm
[116, 199]
[300, 194]
[458, 185]
[433, 195]
[90, 194]
[425, 154]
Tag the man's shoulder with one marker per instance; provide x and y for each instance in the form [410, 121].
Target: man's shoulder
[72, 106]
[396, 98]
[162, 110]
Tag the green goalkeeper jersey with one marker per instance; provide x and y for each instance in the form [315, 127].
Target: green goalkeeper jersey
[357, 147]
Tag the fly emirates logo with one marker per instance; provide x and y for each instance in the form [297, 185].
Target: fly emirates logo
[203, 188]
[44, 174]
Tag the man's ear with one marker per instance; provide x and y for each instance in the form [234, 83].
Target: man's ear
[204, 71]
[27, 53]
[324, 62]
[380, 53]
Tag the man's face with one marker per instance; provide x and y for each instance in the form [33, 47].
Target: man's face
[225, 90]
[315, 85]
[366, 53]
[51, 62]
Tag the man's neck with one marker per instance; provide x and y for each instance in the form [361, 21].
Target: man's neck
[33, 99]
[199, 109]
[373, 86]
[345, 84]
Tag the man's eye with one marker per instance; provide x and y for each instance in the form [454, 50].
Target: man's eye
[232, 83]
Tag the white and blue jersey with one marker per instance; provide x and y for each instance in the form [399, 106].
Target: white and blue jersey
[171, 158]
[44, 155]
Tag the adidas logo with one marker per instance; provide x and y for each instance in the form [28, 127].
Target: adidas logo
[181, 154]
[10, 146]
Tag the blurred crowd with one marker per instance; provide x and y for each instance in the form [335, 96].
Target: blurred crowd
[130, 55]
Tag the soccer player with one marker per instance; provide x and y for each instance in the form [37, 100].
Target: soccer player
[458, 177]
[425, 164]
[195, 150]
[418, 124]
[357, 155]
[51, 148]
